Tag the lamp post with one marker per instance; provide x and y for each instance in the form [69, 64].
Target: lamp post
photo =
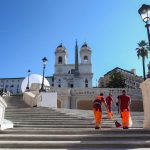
[45, 61]
[144, 11]
[29, 71]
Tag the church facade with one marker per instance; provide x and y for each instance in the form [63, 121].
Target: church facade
[77, 75]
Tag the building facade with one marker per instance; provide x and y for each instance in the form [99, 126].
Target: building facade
[13, 85]
[131, 79]
[77, 75]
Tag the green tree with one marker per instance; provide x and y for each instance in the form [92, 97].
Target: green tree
[142, 51]
[117, 80]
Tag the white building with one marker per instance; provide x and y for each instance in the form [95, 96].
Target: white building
[11, 84]
[73, 75]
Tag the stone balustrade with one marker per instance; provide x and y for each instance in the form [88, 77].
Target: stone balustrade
[4, 124]
[3, 105]
[145, 86]
[75, 97]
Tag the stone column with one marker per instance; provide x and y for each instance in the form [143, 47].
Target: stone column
[145, 87]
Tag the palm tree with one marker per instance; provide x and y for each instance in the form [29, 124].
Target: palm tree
[142, 51]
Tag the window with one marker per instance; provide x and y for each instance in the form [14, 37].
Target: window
[12, 86]
[70, 85]
[18, 88]
[59, 85]
[59, 60]
[85, 58]
[86, 83]
[52, 79]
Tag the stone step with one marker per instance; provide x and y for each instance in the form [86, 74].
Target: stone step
[75, 144]
[40, 117]
[74, 131]
[59, 126]
[54, 120]
[32, 109]
[56, 123]
[47, 119]
[76, 137]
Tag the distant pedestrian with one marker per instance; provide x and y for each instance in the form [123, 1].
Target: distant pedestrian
[109, 102]
[124, 108]
[97, 103]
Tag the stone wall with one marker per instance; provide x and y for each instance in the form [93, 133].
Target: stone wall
[81, 98]
[136, 105]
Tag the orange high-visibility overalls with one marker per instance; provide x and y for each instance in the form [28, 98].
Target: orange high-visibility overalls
[98, 110]
[124, 102]
[109, 106]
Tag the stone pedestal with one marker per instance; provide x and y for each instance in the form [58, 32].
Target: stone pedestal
[145, 86]
[47, 100]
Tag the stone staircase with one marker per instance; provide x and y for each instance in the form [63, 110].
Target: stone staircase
[46, 128]
[15, 102]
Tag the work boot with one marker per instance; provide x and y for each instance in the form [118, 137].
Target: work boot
[96, 128]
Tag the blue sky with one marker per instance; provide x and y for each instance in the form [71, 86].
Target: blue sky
[32, 29]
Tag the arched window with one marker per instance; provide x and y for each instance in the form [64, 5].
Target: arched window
[85, 58]
[86, 83]
[60, 60]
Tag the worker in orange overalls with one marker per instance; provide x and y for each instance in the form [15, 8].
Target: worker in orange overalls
[124, 108]
[109, 102]
[98, 110]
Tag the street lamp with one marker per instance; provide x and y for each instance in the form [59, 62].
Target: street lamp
[144, 11]
[29, 71]
[45, 61]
